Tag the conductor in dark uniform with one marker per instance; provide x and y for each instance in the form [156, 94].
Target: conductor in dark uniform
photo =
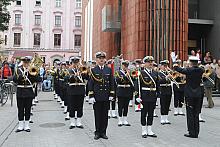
[101, 86]
[25, 94]
[146, 88]
[192, 94]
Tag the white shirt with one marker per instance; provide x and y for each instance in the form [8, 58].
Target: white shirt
[101, 67]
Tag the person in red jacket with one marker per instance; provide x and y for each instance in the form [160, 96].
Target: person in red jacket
[6, 71]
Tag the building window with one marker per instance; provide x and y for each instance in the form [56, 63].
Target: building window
[44, 59]
[36, 39]
[18, 2]
[58, 3]
[78, 4]
[17, 19]
[57, 20]
[37, 19]
[78, 21]
[6, 39]
[57, 40]
[38, 3]
[17, 39]
[77, 40]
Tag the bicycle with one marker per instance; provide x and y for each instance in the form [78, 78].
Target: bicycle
[4, 92]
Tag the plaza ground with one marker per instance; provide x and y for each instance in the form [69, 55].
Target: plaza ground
[51, 130]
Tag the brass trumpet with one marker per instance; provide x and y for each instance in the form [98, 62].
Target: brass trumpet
[35, 65]
[83, 69]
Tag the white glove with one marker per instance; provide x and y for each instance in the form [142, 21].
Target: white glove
[139, 100]
[111, 98]
[92, 100]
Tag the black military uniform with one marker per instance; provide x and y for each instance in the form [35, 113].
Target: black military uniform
[192, 94]
[137, 105]
[25, 94]
[56, 81]
[101, 86]
[124, 92]
[76, 93]
[165, 93]
[63, 85]
[112, 111]
[179, 92]
[146, 93]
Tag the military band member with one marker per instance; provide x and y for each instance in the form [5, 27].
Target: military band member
[179, 92]
[63, 86]
[202, 97]
[125, 90]
[112, 111]
[192, 94]
[165, 91]
[137, 106]
[146, 93]
[56, 81]
[101, 92]
[25, 93]
[76, 93]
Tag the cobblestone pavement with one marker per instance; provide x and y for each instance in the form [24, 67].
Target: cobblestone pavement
[51, 130]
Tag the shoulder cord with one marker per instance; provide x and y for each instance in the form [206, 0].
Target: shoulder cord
[145, 82]
[96, 79]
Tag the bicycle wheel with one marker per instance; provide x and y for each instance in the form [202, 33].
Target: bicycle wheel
[4, 97]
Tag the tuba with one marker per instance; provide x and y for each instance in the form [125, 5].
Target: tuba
[35, 65]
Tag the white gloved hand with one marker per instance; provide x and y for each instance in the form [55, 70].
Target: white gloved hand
[139, 100]
[92, 100]
[111, 98]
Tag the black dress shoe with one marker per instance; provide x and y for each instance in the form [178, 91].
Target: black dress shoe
[182, 114]
[67, 119]
[144, 136]
[127, 125]
[163, 123]
[28, 130]
[81, 127]
[71, 127]
[175, 114]
[109, 117]
[31, 122]
[120, 125]
[16, 131]
[190, 136]
[155, 115]
[64, 112]
[97, 137]
[168, 123]
[104, 136]
[154, 136]
[115, 117]
[202, 120]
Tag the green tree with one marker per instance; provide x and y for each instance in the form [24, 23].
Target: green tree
[4, 14]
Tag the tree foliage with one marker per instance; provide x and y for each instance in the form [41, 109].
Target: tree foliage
[4, 14]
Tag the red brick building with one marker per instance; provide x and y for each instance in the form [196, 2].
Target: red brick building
[136, 28]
